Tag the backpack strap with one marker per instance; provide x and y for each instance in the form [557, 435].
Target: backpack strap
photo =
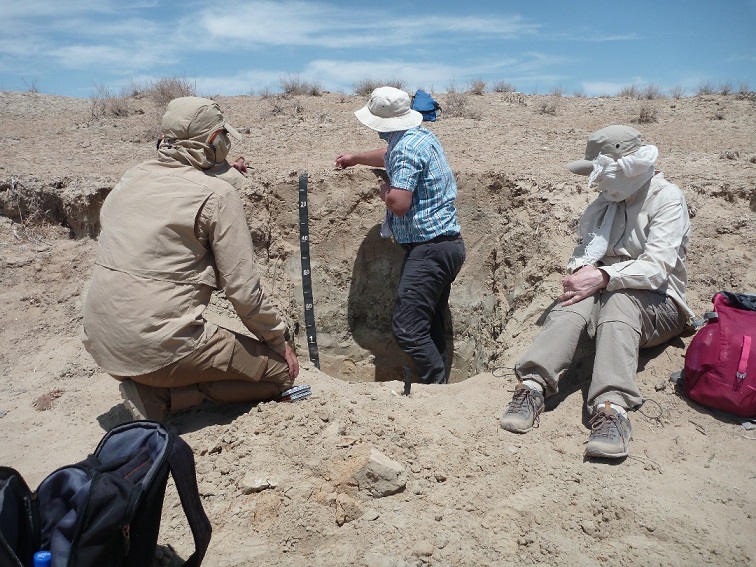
[181, 463]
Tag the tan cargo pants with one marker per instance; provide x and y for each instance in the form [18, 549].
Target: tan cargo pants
[621, 322]
[228, 368]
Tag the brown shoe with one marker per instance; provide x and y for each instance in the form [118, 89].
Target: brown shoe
[610, 434]
[143, 401]
[523, 411]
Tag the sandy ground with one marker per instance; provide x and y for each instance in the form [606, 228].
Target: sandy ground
[462, 492]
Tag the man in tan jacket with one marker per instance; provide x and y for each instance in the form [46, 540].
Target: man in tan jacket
[625, 290]
[173, 230]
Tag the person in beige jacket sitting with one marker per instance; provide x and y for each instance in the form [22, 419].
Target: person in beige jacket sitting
[173, 230]
[625, 290]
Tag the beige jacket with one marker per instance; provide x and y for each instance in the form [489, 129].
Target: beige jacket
[170, 235]
[648, 241]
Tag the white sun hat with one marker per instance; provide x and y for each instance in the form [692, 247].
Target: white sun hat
[388, 110]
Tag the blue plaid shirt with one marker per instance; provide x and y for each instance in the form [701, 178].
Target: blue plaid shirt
[415, 161]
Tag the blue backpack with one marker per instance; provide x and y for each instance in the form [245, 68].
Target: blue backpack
[425, 105]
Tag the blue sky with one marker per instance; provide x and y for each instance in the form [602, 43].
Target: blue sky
[594, 48]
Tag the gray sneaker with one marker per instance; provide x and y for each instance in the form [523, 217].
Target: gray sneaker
[610, 434]
[141, 402]
[523, 411]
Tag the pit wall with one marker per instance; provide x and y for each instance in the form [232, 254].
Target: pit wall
[511, 252]
[517, 235]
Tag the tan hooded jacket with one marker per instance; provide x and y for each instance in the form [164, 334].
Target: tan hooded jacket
[648, 243]
[171, 233]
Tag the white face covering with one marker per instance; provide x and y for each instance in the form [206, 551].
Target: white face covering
[620, 179]
[617, 181]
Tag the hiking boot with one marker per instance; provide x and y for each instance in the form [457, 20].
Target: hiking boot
[610, 434]
[143, 402]
[523, 411]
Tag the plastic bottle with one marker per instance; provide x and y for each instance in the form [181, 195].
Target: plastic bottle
[42, 559]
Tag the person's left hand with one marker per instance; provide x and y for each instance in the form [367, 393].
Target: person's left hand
[240, 165]
[582, 283]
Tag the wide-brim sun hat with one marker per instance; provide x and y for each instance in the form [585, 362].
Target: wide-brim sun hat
[388, 110]
[189, 117]
[616, 141]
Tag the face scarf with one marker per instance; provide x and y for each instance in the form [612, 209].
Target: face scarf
[616, 181]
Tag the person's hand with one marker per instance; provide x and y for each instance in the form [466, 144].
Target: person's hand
[240, 165]
[582, 283]
[291, 361]
[343, 161]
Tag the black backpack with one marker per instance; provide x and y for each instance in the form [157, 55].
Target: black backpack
[104, 510]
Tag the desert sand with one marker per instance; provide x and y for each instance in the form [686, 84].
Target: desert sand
[358, 474]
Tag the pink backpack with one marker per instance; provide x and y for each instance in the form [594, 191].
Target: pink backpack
[720, 363]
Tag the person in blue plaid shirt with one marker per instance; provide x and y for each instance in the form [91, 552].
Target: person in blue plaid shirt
[422, 218]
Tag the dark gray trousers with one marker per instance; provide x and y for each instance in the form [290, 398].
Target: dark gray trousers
[422, 300]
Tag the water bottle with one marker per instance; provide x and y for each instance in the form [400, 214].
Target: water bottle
[42, 559]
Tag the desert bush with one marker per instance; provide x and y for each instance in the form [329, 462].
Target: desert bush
[557, 92]
[651, 92]
[578, 94]
[677, 92]
[629, 92]
[455, 103]
[265, 93]
[548, 107]
[103, 103]
[365, 86]
[744, 89]
[503, 87]
[705, 89]
[163, 91]
[31, 87]
[647, 115]
[282, 104]
[294, 85]
[725, 88]
[477, 87]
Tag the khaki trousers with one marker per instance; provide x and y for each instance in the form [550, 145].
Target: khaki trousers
[621, 322]
[228, 368]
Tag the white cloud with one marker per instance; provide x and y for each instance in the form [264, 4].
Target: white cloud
[340, 26]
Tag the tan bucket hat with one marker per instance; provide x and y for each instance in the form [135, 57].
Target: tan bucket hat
[388, 110]
[189, 117]
[616, 141]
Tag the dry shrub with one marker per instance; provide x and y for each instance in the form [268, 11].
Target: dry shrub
[163, 91]
[651, 92]
[744, 89]
[294, 85]
[104, 104]
[629, 92]
[647, 115]
[503, 87]
[725, 88]
[266, 93]
[281, 105]
[705, 89]
[557, 92]
[677, 92]
[477, 87]
[548, 107]
[456, 104]
[365, 86]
